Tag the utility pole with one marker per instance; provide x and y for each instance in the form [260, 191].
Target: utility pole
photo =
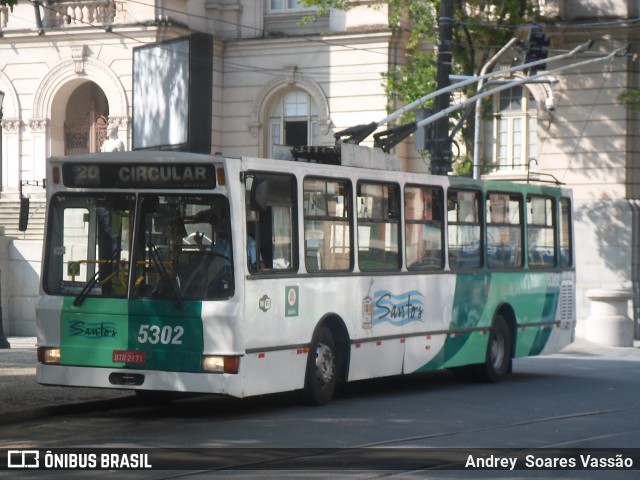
[4, 343]
[441, 155]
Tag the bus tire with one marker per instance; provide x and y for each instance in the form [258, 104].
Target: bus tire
[320, 376]
[499, 356]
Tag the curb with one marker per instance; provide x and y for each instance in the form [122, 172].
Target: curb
[35, 413]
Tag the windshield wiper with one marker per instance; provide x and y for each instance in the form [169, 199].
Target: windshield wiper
[174, 292]
[84, 293]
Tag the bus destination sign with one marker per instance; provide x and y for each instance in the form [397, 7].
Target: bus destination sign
[139, 175]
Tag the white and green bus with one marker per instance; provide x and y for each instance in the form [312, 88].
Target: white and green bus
[180, 272]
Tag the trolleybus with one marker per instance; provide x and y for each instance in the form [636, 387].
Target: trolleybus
[180, 272]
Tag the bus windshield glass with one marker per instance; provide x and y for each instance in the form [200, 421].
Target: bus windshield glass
[177, 246]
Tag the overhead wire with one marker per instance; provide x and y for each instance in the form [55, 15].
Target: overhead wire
[256, 69]
[243, 68]
[238, 66]
[586, 25]
[262, 31]
[228, 65]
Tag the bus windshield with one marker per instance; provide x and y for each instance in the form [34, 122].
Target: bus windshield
[177, 246]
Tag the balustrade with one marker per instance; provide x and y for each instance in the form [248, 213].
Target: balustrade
[101, 12]
[63, 13]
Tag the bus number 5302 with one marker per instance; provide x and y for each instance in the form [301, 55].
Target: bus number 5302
[166, 335]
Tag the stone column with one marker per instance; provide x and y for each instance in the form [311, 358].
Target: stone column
[608, 322]
[10, 155]
[36, 169]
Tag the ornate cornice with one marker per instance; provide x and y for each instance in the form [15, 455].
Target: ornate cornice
[38, 125]
[10, 125]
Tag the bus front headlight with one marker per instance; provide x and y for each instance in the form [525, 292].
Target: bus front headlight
[48, 355]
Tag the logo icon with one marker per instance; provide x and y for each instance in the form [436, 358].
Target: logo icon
[264, 303]
[23, 459]
[291, 308]
[367, 308]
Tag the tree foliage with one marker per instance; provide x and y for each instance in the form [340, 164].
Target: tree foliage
[8, 3]
[481, 27]
[630, 99]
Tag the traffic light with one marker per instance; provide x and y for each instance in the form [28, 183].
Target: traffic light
[535, 50]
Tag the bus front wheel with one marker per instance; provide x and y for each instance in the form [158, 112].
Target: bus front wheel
[320, 377]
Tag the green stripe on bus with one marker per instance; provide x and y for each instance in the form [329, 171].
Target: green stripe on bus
[162, 337]
[479, 296]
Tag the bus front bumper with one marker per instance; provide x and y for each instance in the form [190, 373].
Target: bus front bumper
[129, 379]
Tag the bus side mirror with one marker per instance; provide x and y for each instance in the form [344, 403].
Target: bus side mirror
[259, 194]
[24, 214]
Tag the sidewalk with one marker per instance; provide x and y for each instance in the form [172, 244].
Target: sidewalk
[21, 398]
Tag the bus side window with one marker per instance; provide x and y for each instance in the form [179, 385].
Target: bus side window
[378, 226]
[423, 228]
[327, 225]
[504, 230]
[566, 237]
[270, 211]
[541, 246]
[463, 229]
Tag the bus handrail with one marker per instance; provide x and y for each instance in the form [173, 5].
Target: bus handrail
[80, 298]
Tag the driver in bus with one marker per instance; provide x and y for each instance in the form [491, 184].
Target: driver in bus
[221, 246]
[209, 274]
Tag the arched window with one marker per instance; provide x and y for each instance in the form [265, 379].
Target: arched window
[293, 121]
[86, 119]
[510, 129]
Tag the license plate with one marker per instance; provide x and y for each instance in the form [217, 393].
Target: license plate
[129, 356]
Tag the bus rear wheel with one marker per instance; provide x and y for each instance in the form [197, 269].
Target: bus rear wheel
[499, 356]
[320, 377]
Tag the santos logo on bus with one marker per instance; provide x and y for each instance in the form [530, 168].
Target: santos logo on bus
[398, 309]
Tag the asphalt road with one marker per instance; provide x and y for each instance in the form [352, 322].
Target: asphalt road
[582, 399]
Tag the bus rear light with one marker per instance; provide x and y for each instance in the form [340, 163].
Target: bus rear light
[220, 364]
[48, 356]
[220, 177]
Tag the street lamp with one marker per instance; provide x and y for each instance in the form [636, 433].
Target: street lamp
[4, 343]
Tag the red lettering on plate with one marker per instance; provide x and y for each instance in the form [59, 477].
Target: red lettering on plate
[129, 356]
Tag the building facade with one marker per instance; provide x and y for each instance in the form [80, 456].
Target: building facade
[577, 131]
[66, 68]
